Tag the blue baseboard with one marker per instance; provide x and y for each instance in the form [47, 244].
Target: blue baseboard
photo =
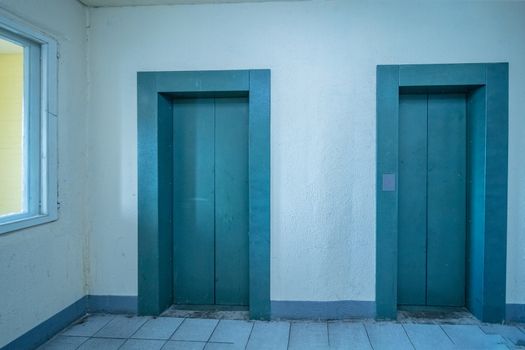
[515, 313]
[323, 310]
[47, 329]
[87, 304]
[112, 304]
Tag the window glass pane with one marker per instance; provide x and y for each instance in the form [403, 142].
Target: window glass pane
[12, 129]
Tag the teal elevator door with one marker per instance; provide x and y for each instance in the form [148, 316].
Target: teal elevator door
[432, 199]
[210, 201]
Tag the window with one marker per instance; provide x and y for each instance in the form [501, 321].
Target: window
[28, 162]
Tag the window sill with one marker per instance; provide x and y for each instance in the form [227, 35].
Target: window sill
[19, 223]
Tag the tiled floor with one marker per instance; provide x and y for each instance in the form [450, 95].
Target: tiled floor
[105, 332]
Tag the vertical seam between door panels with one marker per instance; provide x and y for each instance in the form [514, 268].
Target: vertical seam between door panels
[426, 206]
[467, 193]
[214, 201]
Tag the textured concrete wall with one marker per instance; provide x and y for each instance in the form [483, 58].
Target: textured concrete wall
[323, 56]
[41, 268]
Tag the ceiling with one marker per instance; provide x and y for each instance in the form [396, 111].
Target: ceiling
[105, 3]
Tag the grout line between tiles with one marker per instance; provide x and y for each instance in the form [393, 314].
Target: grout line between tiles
[121, 345]
[410, 340]
[289, 335]
[194, 341]
[71, 336]
[368, 336]
[211, 335]
[85, 317]
[140, 338]
[249, 336]
[113, 318]
[140, 327]
[163, 345]
[444, 331]
[328, 334]
[176, 329]
[79, 345]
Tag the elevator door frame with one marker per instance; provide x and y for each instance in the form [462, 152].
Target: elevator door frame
[156, 91]
[487, 88]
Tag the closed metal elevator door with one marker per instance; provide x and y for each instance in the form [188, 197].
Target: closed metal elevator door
[432, 199]
[210, 201]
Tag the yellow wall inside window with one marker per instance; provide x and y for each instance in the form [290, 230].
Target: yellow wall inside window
[11, 132]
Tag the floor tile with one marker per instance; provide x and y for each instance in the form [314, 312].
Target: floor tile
[512, 333]
[143, 344]
[121, 327]
[222, 346]
[348, 335]
[194, 329]
[184, 345]
[472, 337]
[232, 331]
[102, 344]
[158, 328]
[63, 343]
[384, 336]
[428, 336]
[88, 325]
[269, 336]
[111, 332]
[309, 336]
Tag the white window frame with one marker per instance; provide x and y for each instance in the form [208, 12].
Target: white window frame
[41, 111]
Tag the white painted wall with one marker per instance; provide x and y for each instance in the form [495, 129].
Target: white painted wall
[41, 268]
[323, 56]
